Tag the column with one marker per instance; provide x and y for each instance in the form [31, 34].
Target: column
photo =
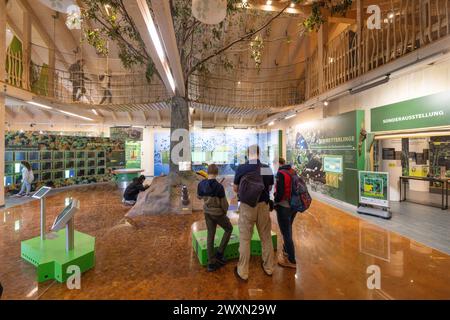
[2, 98]
[359, 32]
[322, 40]
[26, 44]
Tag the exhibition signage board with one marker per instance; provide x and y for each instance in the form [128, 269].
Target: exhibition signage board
[425, 112]
[374, 188]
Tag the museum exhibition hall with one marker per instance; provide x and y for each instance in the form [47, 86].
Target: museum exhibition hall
[224, 150]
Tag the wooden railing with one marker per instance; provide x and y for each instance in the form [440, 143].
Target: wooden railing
[14, 68]
[407, 25]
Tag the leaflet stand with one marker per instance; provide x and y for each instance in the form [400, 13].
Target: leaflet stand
[40, 194]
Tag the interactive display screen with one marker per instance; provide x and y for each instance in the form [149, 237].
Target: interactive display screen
[9, 156]
[8, 180]
[9, 169]
[35, 166]
[33, 156]
[101, 154]
[101, 163]
[46, 155]
[91, 154]
[81, 172]
[65, 216]
[91, 163]
[69, 174]
[42, 192]
[17, 168]
[20, 156]
[91, 172]
[101, 171]
[58, 155]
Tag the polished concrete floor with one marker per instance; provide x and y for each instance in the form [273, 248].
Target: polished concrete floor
[152, 257]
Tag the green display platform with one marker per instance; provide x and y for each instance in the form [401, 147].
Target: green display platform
[52, 260]
[199, 240]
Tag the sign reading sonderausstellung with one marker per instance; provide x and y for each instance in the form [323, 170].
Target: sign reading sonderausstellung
[425, 112]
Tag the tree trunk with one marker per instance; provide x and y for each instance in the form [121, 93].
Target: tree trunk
[179, 119]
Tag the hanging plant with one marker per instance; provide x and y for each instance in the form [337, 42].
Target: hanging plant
[256, 46]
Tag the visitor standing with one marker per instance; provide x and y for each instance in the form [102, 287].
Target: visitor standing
[215, 207]
[77, 78]
[27, 179]
[253, 182]
[285, 214]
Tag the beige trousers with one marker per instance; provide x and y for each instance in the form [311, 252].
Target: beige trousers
[248, 217]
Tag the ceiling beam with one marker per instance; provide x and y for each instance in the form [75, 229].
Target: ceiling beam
[25, 110]
[47, 114]
[144, 115]
[10, 113]
[129, 116]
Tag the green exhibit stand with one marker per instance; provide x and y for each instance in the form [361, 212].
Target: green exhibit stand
[52, 254]
[51, 259]
[199, 243]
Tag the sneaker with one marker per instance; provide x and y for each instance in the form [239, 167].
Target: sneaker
[212, 267]
[238, 276]
[265, 271]
[221, 259]
[19, 195]
[284, 262]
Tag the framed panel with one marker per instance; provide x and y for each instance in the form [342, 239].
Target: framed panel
[46, 165]
[91, 172]
[58, 175]
[33, 156]
[81, 163]
[70, 164]
[81, 172]
[9, 156]
[58, 165]
[46, 155]
[20, 156]
[69, 155]
[35, 166]
[101, 163]
[58, 155]
[91, 163]
[91, 154]
[100, 171]
[46, 176]
[81, 154]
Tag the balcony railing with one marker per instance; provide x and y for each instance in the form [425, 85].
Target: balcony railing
[407, 25]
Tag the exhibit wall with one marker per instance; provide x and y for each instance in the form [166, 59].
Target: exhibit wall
[225, 147]
[59, 160]
[328, 153]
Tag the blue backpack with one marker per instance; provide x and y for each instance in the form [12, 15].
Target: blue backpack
[300, 198]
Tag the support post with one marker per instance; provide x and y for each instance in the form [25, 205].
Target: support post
[26, 43]
[322, 40]
[2, 98]
[70, 235]
[43, 218]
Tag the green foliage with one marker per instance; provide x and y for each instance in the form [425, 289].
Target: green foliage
[316, 19]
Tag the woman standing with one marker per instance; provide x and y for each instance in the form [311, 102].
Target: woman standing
[27, 179]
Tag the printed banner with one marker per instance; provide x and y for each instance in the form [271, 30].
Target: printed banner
[373, 188]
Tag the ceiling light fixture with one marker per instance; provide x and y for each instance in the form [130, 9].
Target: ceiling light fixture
[154, 35]
[39, 105]
[292, 5]
[290, 116]
[75, 115]
[326, 103]
[271, 123]
[269, 2]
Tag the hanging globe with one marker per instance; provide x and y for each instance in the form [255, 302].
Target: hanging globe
[209, 11]
[73, 20]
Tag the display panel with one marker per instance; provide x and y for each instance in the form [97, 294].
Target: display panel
[373, 188]
[100, 171]
[33, 155]
[101, 163]
[9, 156]
[91, 163]
[70, 164]
[35, 166]
[70, 155]
[42, 192]
[91, 172]
[46, 155]
[69, 174]
[81, 155]
[91, 154]
[101, 154]
[46, 176]
[81, 164]
[20, 156]
[58, 155]
[9, 180]
[58, 165]
[9, 168]
[58, 175]
[333, 164]
[81, 172]
[17, 168]
[46, 166]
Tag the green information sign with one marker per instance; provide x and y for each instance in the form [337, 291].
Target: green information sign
[425, 112]
[374, 188]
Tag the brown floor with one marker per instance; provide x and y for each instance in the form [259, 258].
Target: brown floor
[153, 259]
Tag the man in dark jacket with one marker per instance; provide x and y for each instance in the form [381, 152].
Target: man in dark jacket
[132, 191]
[215, 207]
[285, 215]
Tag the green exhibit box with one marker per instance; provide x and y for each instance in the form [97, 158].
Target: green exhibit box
[199, 243]
[51, 259]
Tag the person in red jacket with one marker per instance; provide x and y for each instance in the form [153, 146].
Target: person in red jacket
[285, 215]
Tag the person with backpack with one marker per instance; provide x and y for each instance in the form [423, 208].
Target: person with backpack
[215, 208]
[291, 197]
[132, 191]
[253, 182]
[27, 179]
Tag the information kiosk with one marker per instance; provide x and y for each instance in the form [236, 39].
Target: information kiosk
[53, 253]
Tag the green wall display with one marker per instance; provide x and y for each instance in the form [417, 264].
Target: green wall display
[425, 112]
[374, 188]
[133, 154]
[316, 150]
[126, 133]
[59, 160]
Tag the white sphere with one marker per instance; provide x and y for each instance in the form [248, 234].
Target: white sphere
[209, 11]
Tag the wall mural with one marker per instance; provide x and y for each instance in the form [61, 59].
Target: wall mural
[328, 154]
[59, 161]
[226, 148]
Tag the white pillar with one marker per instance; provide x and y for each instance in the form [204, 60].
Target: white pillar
[2, 99]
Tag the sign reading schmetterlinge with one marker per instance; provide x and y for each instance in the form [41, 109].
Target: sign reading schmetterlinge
[425, 112]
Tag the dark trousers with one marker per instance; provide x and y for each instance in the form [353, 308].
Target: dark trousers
[286, 217]
[211, 225]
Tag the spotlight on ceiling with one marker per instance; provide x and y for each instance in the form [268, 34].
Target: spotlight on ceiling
[326, 103]
[271, 123]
